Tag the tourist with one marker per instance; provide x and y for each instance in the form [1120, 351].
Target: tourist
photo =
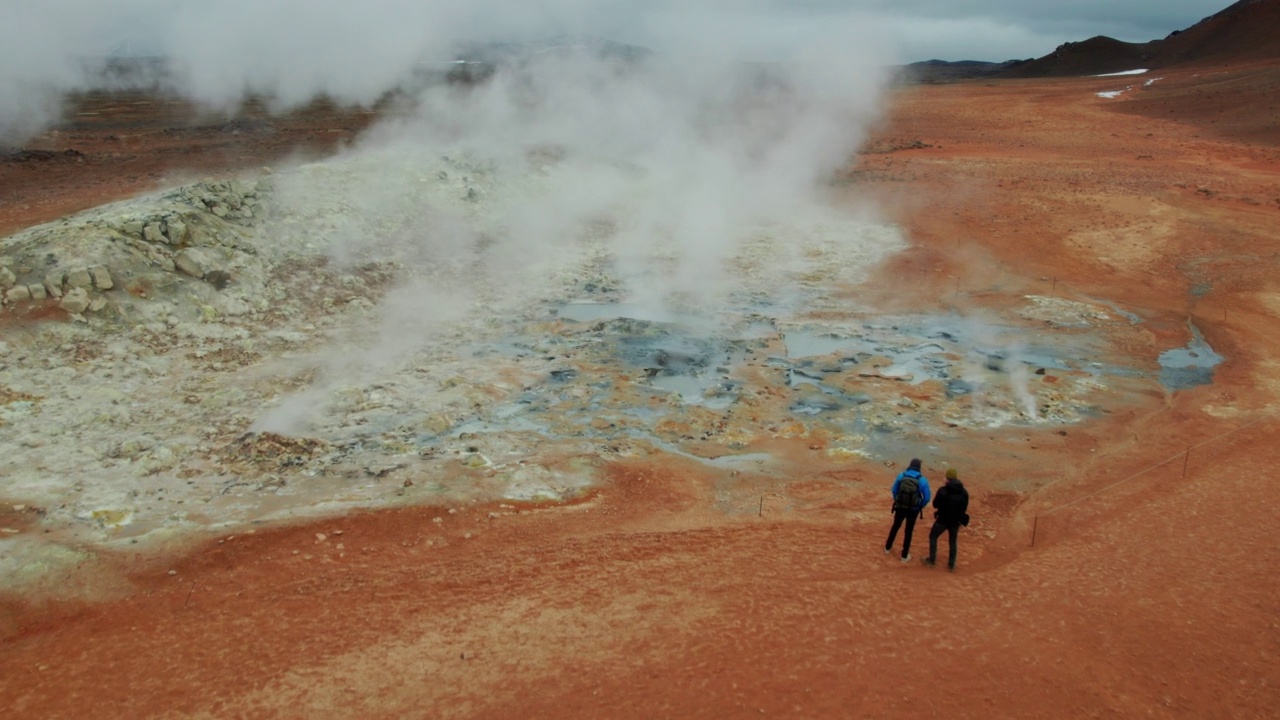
[951, 510]
[910, 493]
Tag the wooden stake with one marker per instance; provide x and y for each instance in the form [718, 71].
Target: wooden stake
[1034, 526]
[1186, 459]
[761, 513]
[193, 589]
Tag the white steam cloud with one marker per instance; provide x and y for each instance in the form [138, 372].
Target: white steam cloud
[354, 52]
[684, 175]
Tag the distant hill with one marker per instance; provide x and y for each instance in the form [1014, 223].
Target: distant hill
[1247, 30]
[498, 53]
[941, 71]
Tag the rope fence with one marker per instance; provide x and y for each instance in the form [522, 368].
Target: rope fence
[1235, 319]
[1186, 459]
[1185, 455]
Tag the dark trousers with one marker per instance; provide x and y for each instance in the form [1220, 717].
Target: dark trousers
[952, 530]
[898, 518]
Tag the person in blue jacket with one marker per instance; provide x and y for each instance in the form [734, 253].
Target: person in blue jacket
[910, 496]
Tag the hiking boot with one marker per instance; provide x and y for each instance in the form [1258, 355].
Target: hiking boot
[928, 562]
[906, 558]
[888, 550]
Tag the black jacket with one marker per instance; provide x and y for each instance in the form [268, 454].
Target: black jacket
[951, 503]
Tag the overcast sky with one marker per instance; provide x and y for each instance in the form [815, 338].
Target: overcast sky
[993, 30]
[356, 49]
[918, 29]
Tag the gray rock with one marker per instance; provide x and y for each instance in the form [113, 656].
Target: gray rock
[219, 279]
[191, 262]
[177, 231]
[132, 449]
[53, 284]
[37, 292]
[101, 278]
[17, 293]
[98, 304]
[79, 279]
[219, 210]
[76, 301]
[158, 459]
[132, 227]
[7, 278]
[153, 233]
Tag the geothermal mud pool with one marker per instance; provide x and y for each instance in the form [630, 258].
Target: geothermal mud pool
[272, 348]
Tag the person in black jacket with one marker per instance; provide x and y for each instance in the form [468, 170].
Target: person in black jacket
[951, 510]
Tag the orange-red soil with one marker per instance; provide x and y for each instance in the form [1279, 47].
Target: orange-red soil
[1156, 597]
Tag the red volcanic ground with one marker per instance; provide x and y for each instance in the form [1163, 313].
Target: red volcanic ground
[1142, 582]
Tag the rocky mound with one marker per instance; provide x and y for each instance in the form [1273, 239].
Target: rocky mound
[186, 246]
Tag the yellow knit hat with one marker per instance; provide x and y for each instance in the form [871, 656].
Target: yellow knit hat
[952, 475]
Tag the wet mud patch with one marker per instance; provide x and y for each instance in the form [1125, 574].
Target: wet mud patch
[721, 392]
[1189, 366]
[715, 389]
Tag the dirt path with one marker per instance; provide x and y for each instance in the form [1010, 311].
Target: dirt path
[553, 614]
[1156, 597]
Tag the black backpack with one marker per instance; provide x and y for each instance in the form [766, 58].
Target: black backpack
[952, 504]
[908, 498]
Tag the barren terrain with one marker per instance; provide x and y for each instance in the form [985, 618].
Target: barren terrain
[718, 561]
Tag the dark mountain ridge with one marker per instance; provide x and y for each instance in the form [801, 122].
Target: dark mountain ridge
[1248, 30]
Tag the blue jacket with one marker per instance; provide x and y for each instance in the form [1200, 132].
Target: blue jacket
[921, 479]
